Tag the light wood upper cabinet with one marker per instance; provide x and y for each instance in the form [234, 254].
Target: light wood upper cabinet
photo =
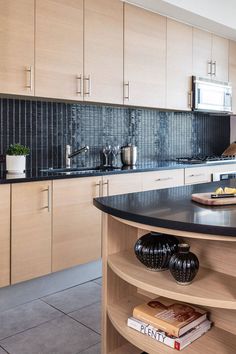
[220, 58]
[210, 55]
[17, 47]
[31, 230]
[59, 49]
[144, 58]
[179, 65]
[202, 53]
[103, 51]
[4, 235]
[76, 222]
[232, 72]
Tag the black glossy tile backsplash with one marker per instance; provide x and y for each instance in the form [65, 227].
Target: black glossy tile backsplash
[46, 127]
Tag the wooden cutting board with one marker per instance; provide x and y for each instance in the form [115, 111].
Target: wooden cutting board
[205, 198]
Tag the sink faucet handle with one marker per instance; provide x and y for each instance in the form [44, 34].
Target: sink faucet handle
[68, 153]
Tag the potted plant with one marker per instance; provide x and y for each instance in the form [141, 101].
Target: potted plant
[16, 158]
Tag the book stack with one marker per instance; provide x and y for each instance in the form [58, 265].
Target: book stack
[172, 323]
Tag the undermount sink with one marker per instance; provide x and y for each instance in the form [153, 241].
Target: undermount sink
[74, 170]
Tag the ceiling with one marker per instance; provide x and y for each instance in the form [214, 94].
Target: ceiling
[217, 16]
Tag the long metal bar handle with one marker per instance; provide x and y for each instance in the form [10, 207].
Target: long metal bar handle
[88, 86]
[163, 179]
[48, 190]
[127, 86]
[79, 85]
[209, 67]
[190, 99]
[214, 66]
[99, 184]
[108, 186]
[29, 70]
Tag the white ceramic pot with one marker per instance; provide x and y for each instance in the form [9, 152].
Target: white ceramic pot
[15, 164]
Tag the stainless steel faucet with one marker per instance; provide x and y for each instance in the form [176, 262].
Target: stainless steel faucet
[70, 154]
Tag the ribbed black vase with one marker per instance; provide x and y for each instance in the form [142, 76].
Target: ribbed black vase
[155, 250]
[184, 265]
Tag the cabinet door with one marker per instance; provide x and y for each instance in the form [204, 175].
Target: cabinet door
[5, 235]
[17, 47]
[103, 51]
[163, 179]
[202, 47]
[121, 184]
[59, 49]
[179, 65]
[31, 230]
[76, 223]
[232, 72]
[144, 58]
[220, 58]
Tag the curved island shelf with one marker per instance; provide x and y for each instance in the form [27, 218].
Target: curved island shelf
[126, 282]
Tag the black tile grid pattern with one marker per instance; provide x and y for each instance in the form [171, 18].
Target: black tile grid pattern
[46, 127]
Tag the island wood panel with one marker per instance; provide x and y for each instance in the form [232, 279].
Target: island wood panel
[59, 49]
[216, 341]
[202, 53]
[220, 55]
[103, 51]
[30, 230]
[179, 65]
[232, 72]
[17, 47]
[144, 58]
[76, 223]
[4, 235]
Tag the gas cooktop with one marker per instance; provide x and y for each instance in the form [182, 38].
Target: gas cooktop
[205, 159]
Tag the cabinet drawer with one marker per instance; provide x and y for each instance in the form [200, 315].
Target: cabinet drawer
[197, 175]
[163, 179]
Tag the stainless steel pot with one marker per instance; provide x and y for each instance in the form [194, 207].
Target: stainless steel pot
[129, 155]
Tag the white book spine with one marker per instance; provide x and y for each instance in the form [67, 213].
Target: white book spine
[160, 336]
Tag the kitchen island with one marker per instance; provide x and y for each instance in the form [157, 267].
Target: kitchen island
[211, 233]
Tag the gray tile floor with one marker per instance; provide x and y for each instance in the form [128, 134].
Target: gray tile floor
[67, 322]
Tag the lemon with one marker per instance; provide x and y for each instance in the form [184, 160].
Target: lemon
[219, 191]
[230, 190]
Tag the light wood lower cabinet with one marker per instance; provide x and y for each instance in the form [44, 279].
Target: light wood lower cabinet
[232, 72]
[204, 174]
[76, 222]
[4, 235]
[121, 184]
[31, 230]
[162, 179]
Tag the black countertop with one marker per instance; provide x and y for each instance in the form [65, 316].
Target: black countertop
[172, 208]
[38, 175]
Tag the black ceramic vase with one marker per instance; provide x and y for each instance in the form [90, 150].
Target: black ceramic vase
[155, 250]
[184, 265]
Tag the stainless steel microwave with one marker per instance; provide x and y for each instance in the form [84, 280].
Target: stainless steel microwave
[211, 96]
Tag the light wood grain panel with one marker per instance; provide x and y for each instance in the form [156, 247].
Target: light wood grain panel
[197, 175]
[76, 223]
[162, 179]
[103, 51]
[220, 54]
[216, 341]
[121, 184]
[209, 288]
[202, 52]
[4, 235]
[144, 57]
[232, 72]
[16, 46]
[179, 65]
[31, 231]
[59, 49]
